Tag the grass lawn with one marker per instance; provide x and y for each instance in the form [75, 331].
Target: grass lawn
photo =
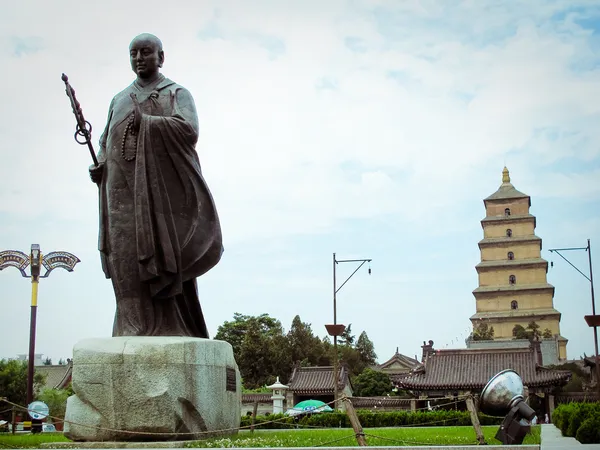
[29, 440]
[310, 438]
[345, 437]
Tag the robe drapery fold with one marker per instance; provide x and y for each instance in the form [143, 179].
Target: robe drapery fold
[159, 229]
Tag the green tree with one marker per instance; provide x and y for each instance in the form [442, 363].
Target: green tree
[13, 381]
[280, 359]
[519, 332]
[326, 358]
[351, 358]
[48, 362]
[483, 332]
[371, 383]
[579, 378]
[235, 331]
[533, 330]
[62, 362]
[304, 346]
[366, 350]
[260, 348]
[547, 334]
[56, 399]
[347, 338]
[253, 357]
[575, 384]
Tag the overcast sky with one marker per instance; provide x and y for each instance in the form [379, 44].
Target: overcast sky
[373, 129]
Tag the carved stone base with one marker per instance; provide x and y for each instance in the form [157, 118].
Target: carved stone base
[153, 389]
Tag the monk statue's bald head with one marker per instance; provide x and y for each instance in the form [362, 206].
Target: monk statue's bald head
[146, 56]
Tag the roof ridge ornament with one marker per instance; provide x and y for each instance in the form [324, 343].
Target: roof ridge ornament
[505, 175]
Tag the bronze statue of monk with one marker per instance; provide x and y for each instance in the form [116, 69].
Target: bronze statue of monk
[159, 229]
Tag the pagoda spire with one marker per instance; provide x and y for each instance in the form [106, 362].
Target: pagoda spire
[505, 175]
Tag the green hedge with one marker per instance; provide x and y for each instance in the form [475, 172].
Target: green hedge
[579, 420]
[369, 419]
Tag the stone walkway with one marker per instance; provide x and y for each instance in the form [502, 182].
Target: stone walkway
[552, 438]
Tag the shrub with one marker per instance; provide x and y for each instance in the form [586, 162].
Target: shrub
[370, 419]
[589, 431]
[578, 420]
[578, 414]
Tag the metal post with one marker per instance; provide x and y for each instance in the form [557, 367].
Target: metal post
[593, 318]
[335, 330]
[335, 351]
[35, 259]
[589, 249]
[32, 325]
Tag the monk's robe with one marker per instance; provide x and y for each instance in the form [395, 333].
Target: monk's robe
[159, 229]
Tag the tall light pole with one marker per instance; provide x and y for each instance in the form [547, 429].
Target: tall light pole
[594, 319]
[15, 258]
[336, 329]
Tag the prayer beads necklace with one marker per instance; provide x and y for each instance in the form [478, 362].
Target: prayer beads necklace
[128, 129]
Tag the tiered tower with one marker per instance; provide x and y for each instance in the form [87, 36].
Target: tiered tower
[513, 289]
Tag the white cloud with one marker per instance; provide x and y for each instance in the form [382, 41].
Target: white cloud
[412, 130]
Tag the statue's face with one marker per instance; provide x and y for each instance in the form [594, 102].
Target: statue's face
[145, 56]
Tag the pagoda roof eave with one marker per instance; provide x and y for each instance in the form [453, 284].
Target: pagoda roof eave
[508, 240]
[512, 218]
[502, 263]
[511, 289]
[515, 314]
[506, 191]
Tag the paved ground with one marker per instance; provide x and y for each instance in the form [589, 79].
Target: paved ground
[552, 438]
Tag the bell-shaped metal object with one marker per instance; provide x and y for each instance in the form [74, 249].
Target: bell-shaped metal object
[501, 393]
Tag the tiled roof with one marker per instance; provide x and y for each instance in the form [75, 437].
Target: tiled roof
[316, 380]
[589, 361]
[380, 402]
[57, 376]
[506, 191]
[399, 359]
[260, 398]
[396, 377]
[472, 368]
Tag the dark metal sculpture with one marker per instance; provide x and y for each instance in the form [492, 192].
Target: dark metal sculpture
[159, 228]
[84, 128]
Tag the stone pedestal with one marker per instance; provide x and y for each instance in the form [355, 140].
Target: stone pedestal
[131, 388]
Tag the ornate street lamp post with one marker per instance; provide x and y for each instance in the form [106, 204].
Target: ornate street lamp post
[36, 261]
[594, 319]
[336, 329]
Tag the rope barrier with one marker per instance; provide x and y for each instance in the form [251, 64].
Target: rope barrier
[233, 429]
[151, 433]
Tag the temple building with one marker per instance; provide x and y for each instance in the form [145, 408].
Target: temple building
[513, 289]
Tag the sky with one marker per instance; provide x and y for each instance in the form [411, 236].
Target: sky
[369, 128]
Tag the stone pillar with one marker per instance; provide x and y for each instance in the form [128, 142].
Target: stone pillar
[413, 405]
[550, 405]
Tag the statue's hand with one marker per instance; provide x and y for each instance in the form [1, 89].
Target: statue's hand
[96, 172]
[137, 113]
